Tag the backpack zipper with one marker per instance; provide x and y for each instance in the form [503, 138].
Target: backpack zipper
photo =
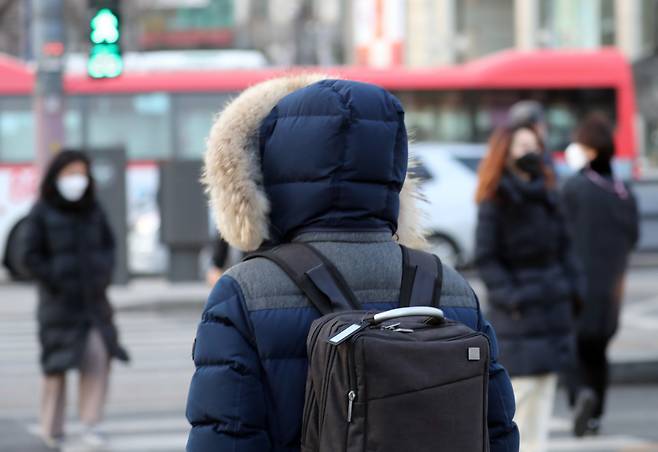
[351, 396]
[351, 377]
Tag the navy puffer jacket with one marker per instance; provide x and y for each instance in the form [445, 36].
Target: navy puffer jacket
[324, 162]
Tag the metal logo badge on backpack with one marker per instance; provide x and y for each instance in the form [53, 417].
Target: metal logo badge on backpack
[474, 353]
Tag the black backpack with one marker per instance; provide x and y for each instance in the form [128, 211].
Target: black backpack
[404, 379]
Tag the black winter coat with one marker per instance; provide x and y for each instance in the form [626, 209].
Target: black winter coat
[605, 228]
[71, 255]
[523, 255]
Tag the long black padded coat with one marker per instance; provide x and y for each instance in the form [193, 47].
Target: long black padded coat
[71, 255]
[523, 255]
[605, 228]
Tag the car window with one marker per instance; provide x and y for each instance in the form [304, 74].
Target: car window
[471, 163]
[420, 172]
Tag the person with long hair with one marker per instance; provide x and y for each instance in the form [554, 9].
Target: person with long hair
[603, 216]
[69, 251]
[523, 255]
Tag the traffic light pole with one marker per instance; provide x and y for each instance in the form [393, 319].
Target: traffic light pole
[48, 101]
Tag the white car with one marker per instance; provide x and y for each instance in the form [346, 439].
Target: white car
[448, 174]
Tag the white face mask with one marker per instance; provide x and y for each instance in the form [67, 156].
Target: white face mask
[73, 186]
[576, 157]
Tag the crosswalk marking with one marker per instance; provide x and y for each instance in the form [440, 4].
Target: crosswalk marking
[563, 441]
[146, 433]
[143, 434]
[144, 443]
[147, 413]
[601, 444]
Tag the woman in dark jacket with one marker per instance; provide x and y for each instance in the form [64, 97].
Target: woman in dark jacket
[70, 252]
[603, 216]
[522, 253]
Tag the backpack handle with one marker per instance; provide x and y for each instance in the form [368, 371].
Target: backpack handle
[414, 311]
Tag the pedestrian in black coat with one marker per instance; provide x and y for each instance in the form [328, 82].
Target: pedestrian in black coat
[524, 258]
[603, 217]
[69, 251]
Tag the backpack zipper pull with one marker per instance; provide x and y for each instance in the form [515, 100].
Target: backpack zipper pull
[403, 330]
[351, 396]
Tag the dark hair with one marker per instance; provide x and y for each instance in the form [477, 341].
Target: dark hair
[49, 192]
[494, 162]
[525, 113]
[596, 132]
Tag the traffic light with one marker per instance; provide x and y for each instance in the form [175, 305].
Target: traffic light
[105, 59]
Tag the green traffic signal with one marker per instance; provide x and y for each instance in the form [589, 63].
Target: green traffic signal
[104, 27]
[105, 53]
[105, 62]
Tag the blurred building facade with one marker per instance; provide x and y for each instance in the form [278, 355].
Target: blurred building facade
[429, 32]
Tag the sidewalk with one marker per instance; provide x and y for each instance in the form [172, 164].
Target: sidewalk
[158, 293]
[634, 352]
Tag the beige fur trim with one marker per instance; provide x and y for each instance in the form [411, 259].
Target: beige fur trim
[232, 175]
[411, 232]
[232, 171]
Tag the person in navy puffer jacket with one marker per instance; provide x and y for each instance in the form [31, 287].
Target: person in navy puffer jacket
[306, 158]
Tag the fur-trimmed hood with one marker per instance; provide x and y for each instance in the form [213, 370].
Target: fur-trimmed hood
[306, 152]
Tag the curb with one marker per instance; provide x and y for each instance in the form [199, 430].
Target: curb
[634, 372]
[194, 304]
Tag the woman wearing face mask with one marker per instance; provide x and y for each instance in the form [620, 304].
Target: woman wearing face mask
[602, 214]
[69, 251]
[523, 256]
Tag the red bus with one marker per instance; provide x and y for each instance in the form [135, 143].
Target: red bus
[165, 115]
[450, 104]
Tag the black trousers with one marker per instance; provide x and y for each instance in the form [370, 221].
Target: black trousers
[592, 368]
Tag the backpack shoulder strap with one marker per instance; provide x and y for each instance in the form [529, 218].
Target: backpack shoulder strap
[422, 278]
[314, 274]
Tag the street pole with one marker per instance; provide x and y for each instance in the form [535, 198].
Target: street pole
[48, 102]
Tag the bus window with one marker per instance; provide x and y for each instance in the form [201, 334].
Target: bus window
[472, 115]
[454, 122]
[436, 116]
[420, 115]
[490, 109]
[16, 129]
[566, 108]
[141, 123]
[194, 116]
[562, 121]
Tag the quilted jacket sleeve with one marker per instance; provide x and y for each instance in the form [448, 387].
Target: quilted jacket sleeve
[503, 432]
[36, 257]
[226, 404]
